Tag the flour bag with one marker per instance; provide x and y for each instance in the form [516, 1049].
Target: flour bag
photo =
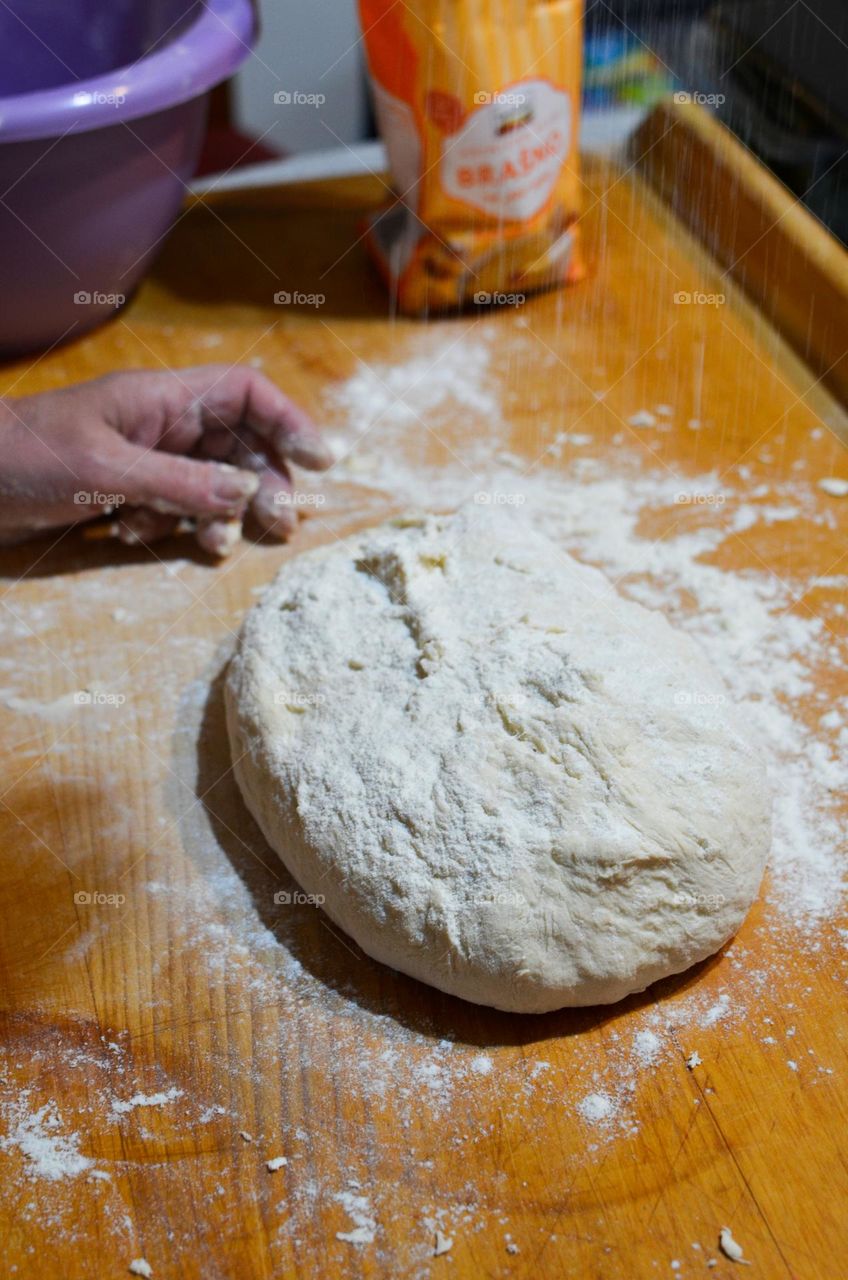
[478, 104]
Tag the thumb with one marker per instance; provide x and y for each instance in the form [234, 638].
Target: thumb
[180, 486]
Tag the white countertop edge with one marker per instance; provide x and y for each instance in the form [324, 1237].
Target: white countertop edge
[601, 132]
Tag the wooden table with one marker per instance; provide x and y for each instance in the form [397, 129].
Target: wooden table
[191, 1029]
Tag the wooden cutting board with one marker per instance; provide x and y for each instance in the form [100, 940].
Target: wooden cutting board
[168, 1027]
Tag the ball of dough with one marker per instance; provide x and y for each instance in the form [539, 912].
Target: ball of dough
[501, 777]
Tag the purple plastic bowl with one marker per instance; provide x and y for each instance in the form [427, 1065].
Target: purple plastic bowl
[100, 132]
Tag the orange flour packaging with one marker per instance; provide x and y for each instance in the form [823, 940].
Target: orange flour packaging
[478, 105]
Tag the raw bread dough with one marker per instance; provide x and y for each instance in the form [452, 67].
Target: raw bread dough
[503, 778]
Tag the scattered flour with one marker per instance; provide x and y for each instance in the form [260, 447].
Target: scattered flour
[658, 550]
[642, 419]
[38, 1135]
[597, 1107]
[453, 374]
[646, 1047]
[744, 621]
[121, 1107]
[716, 1011]
[358, 1208]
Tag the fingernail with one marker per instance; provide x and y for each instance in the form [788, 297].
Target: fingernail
[273, 503]
[274, 514]
[308, 451]
[233, 485]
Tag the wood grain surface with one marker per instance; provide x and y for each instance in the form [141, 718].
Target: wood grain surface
[151, 1033]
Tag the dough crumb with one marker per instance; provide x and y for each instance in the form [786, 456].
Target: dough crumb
[245, 1136]
[221, 537]
[836, 487]
[693, 1061]
[441, 1244]
[642, 419]
[141, 1267]
[278, 1162]
[730, 1247]
[359, 1235]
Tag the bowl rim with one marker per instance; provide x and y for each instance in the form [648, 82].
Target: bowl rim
[208, 51]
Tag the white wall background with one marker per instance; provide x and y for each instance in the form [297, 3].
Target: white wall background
[308, 48]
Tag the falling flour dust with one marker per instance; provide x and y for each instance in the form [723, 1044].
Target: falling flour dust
[394, 429]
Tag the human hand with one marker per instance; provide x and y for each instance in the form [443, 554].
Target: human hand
[209, 443]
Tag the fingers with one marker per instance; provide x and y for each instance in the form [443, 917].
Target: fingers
[164, 444]
[269, 506]
[219, 536]
[239, 398]
[177, 486]
[163, 485]
[276, 517]
[218, 443]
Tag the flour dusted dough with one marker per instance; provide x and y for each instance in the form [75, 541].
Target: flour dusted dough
[504, 779]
